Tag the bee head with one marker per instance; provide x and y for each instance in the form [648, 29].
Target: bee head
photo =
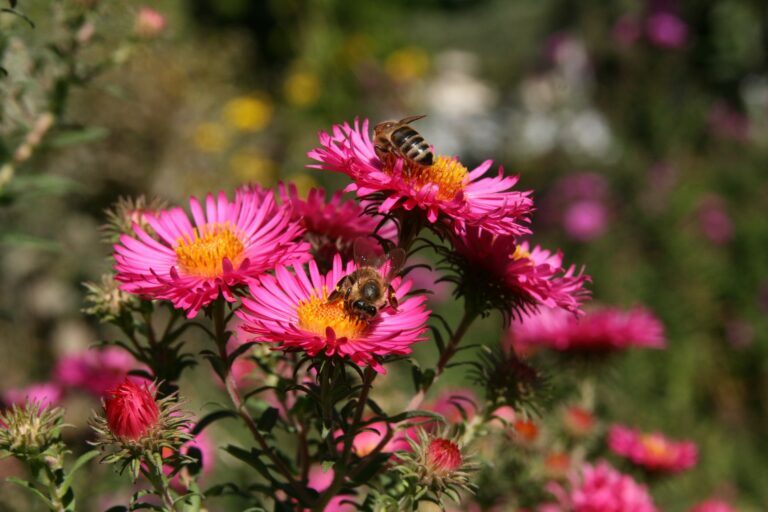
[364, 310]
[371, 290]
[384, 126]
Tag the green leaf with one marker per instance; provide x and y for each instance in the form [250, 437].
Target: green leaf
[416, 414]
[85, 135]
[210, 418]
[268, 419]
[34, 490]
[327, 464]
[80, 462]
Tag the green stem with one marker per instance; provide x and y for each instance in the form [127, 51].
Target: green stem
[220, 333]
[157, 478]
[450, 350]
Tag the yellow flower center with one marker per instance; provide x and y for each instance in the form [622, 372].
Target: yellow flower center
[655, 445]
[447, 173]
[520, 253]
[203, 253]
[317, 314]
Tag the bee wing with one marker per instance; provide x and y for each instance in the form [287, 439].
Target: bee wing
[396, 258]
[365, 254]
[410, 119]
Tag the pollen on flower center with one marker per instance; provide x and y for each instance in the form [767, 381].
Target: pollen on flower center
[520, 253]
[203, 253]
[316, 315]
[447, 173]
[656, 446]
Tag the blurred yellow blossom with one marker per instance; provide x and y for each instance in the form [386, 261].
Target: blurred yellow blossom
[303, 182]
[252, 166]
[210, 137]
[248, 113]
[407, 64]
[302, 88]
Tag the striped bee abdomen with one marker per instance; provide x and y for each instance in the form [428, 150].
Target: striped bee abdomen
[411, 145]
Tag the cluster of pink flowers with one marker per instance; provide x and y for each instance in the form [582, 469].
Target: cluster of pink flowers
[599, 488]
[603, 330]
[652, 451]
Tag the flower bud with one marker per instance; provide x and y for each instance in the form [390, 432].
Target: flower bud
[106, 300]
[443, 457]
[131, 410]
[31, 431]
[578, 422]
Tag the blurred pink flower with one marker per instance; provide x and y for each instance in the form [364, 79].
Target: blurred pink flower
[666, 30]
[653, 451]
[599, 488]
[714, 222]
[47, 394]
[95, 371]
[451, 402]
[585, 220]
[149, 23]
[425, 279]
[366, 441]
[713, 505]
[319, 480]
[207, 447]
[607, 329]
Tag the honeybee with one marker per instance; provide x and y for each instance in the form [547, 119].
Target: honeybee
[399, 138]
[366, 291]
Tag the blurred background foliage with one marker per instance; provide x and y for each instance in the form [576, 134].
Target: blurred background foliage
[641, 126]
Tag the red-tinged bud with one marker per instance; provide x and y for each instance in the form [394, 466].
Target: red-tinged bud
[443, 456]
[557, 464]
[578, 421]
[526, 430]
[131, 410]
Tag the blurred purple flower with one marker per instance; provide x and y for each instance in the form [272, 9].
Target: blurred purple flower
[666, 30]
[714, 222]
[725, 122]
[585, 220]
[739, 333]
[627, 31]
[424, 279]
[45, 393]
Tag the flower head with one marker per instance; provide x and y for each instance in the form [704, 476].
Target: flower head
[496, 272]
[603, 330]
[446, 191]
[106, 301]
[653, 451]
[230, 242]
[292, 309]
[437, 464]
[332, 226]
[600, 488]
[31, 430]
[131, 410]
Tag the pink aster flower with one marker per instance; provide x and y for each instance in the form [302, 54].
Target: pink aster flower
[652, 451]
[446, 191]
[366, 441]
[230, 242]
[713, 505]
[454, 404]
[603, 330]
[292, 309]
[519, 278]
[47, 394]
[94, 371]
[332, 226]
[599, 488]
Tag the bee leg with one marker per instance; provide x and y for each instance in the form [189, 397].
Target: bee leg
[336, 294]
[381, 151]
[392, 298]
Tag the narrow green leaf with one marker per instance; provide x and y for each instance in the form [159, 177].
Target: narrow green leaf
[34, 490]
[80, 462]
[70, 138]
